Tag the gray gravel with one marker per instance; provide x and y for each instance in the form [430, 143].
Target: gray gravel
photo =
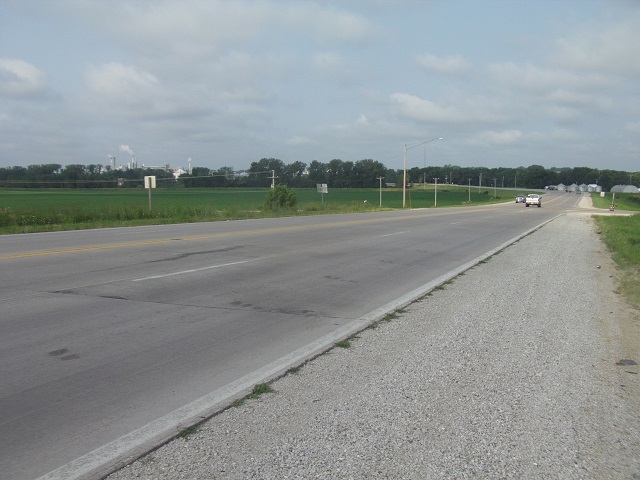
[507, 372]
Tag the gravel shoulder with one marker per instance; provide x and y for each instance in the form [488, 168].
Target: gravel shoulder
[516, 369]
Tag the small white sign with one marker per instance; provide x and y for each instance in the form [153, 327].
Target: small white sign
[150, 181]
[322, 187]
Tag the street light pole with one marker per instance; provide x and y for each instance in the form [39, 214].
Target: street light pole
[424, 173]
[435, 192]
[404, 181]
[380, 179]
[469, 190]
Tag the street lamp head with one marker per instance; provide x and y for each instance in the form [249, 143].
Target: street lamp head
[440, 138]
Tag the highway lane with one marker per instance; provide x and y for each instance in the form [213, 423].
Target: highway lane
[104, 331]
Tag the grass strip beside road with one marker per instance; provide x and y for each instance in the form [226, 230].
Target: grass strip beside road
[621, 235]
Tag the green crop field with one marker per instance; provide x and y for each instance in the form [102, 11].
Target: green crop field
[33, 210]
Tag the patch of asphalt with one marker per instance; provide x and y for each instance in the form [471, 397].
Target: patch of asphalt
[131, 446]
[512, 372]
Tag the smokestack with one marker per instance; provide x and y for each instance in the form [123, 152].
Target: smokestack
[127, 149]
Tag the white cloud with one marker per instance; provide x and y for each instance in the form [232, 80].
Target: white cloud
[461, 109]
[421, 109]
[298, 140]
[534, 79]
[603, 47]
[20, 78]
[120, 81]
[448, 65]
[574, 99]
[326, 24]
[118, 91]
[489, 137]
[329, 61]
[633, 127]
[244, 95]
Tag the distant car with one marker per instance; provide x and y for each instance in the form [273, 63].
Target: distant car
[533, 199]
[520, 199]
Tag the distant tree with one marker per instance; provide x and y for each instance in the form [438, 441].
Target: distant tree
[536, 176]
[390, 176]
[261, 171]
[609, 178]
[200, 172]
[317, 172]
[366, 173]
[339, 173]
[292, 174]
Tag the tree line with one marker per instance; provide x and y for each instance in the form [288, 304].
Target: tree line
[335, 173]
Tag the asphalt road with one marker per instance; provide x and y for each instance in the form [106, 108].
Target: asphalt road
[112, 337]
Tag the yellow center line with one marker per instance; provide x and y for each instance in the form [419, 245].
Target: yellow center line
[141, 243]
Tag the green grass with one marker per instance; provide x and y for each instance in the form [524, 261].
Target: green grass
[187, 432]
[621, 235]
[623, 201]
[38, 210]
[258, 390]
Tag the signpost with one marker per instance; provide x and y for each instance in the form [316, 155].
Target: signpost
[149, 183]
[322, 189]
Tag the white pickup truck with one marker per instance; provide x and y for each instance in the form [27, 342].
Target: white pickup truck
[533, 199]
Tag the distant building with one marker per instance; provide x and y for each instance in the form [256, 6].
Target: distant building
[625, 189]
[179, 171]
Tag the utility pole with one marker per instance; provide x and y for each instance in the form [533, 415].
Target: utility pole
[404, 179]
[380, 180]
[435, 192]
[424, 173]
[273, 178]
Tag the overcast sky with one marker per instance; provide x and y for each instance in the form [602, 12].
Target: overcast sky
[226, 83]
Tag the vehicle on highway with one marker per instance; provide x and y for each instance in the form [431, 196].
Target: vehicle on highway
[533, 199]
[520, 199]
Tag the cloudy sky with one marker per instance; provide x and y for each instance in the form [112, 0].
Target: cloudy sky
[226, 83]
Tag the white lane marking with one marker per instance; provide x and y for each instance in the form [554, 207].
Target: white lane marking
[184, 272]
[390, 234]
[455, 223]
